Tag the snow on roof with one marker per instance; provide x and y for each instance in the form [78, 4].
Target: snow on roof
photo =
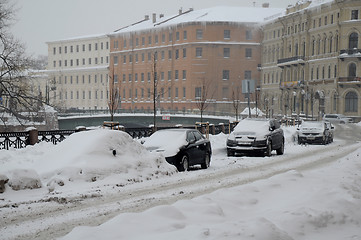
[215, 14]
[313, 4]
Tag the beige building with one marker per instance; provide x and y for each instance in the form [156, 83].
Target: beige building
[311, 60]
[78, 73]
[194, 56]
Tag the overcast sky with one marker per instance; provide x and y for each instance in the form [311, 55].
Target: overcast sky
[40, 21]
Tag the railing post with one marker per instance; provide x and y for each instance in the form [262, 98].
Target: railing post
[33, 137]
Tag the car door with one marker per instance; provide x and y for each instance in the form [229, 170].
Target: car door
[276, 135]
[192, 148]
[201, 147]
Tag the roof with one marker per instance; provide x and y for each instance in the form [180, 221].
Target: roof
[215, 14]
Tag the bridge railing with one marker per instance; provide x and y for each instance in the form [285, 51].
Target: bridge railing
[22, 139]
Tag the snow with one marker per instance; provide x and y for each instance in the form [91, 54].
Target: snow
[166, 141]
[216, 14]
[317, 203]
[83, 157]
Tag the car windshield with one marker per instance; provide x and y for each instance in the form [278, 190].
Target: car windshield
[312, 125]
[252, 127]
[167, 141]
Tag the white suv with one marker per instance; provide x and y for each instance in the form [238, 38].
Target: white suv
[337, 118]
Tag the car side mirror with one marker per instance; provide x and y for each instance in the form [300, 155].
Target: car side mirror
[272, 128]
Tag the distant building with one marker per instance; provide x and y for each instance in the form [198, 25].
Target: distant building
[193, 55]
[311, 60]
[78, 73]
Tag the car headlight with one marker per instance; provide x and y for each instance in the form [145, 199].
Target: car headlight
[231, 142]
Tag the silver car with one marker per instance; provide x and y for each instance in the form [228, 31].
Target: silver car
[337, 118]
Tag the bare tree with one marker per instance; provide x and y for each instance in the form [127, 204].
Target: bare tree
[236, 100]
[203, 96]
[16, 95]
[158, 87]
[114, 95]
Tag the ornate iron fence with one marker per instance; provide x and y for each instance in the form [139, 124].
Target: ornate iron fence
[22, 139]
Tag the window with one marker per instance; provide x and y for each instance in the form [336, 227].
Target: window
[162, 54]
[177, 36]
[59, 50]
[226, 52]
[65, 49]
[163, 38]
[354, 14]
[184, 73]
[169, 54]
[156, 39]
[54, 51]
[199, 52]
[169, 75]
[136, 77]
[225, 75]
[198, 92]
[115, 78]
[248, 52]
[83, 47]
[176, 92]
[170, 37]
[248, 74]
[353, 41]
[115, 60]
[176, 53]
[150, 40]
[185, 35]
[143, 41]
[227, 34]
[137, 42]
[176, 75]
[352, 70]
[124, 59]
[184, 52]
[199, 34]
[184, 92]
[248, 35]
[351, 99]
[129, 77]
[142, 77]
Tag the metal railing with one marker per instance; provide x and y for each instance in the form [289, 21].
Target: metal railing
[22, 139]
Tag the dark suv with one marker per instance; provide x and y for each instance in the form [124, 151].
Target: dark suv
[259, 136]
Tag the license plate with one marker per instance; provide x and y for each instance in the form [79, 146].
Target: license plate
[311, 138]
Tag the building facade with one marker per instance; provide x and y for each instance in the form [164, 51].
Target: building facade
[311, 62]
[78, 73]
[190, 59]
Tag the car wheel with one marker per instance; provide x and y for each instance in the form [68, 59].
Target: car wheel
[207, 161]
[184, 163]
[281, 150]
[268, 150]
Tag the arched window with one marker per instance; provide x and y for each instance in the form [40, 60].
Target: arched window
[353, 41]
[330, 45]
[351, 102]
[352, 70]
[296, 49]
[329, 72]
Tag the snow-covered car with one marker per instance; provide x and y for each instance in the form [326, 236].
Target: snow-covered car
[313, 132]
[181, 147]
[337, 118]
[259, 136]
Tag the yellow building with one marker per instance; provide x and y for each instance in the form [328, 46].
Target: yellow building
[311, 60]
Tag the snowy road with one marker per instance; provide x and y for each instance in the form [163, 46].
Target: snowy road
[55, 216]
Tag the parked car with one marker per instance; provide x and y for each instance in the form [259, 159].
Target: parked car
[259, 136]
[181, 147]
[313, 132]
[337, 118]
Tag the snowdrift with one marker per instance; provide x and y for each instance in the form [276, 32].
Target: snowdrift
[85, 156]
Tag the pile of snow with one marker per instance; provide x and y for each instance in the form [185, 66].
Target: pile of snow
[97, 155]
[288, 206]
[254, 112]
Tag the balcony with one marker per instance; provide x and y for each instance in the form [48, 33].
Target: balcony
[291, 61]
[349, 81]
[350, 53]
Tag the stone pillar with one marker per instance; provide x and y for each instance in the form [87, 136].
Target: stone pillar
[33, 136]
